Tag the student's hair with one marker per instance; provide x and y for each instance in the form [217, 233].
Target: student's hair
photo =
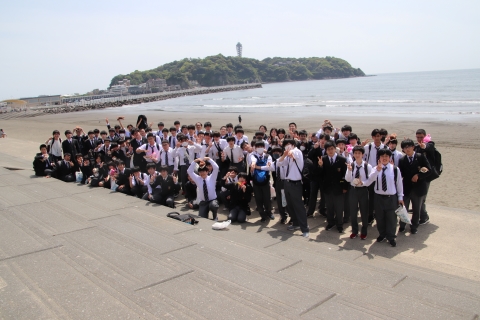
[172, 129]
[381, 152]
[352, 136]
[216, 134]
[421, 131]
[329, 144]
[109, 130]
[66, 155]
[302, 132]
[160, 124]
[55, 132]
[191, 127]
[243, 175]
[207, 124]
[99, 155]
[231, 139]
[346, 128]
[259, 143]
[327, 128]
[113, 145]
[238, 126]
[262, 126]
[106, 139]
[375, 132]
[229, 125]
[181, 137]
[120, 162]
[165, 130]
[407, 143]
[204, 168]
[78, 155]
[68, 132]
[271, 130]
[206, 134]
[96, 131]
[184, 126]
[150, 135]
[165, 142]
[122, 131]
[43, 146]
[103, 132]
[341, 141]
[234, 169]
[111, 164]
[148, 129]
[239, 130]
[135, 131]
[116, 127]
[359, 148]
[176, 122]
[151, 165]
[289, 141]
[163, 168]
[259, 133]
[243, 144]
[223, 127]
[136, 169]
[293, 124]
[383, 131]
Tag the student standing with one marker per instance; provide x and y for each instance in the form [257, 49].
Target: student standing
[371, 157]
[388, 196]
[261, 180]
[206, 184]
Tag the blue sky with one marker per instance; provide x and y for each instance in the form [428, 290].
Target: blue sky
[59, 47]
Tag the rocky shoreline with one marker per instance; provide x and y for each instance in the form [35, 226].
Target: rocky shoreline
[129, 100]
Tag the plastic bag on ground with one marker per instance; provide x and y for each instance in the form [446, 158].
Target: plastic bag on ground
[221, 225]
[403, 214]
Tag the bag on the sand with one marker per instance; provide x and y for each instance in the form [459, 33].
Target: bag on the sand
[221, 225]
[187, 218]
[403, 214]
[79, 176]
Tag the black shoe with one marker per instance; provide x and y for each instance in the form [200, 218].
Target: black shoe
[422, 221]
[329, 227]
[413, 231]
[272, 217]
[340, 230]
[370, 222]
[380, 239]
[401, 229]
[392, 242]
[290, 222]
[283, 220]
[263, 219]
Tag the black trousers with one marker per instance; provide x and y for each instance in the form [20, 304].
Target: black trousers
[279, 185]
[183, 175]
[263, 200]
[385, 215]
[237, 214]
[295, 207]
[417, 202]
[358, 198]
[371, 204]
[312, 202]
[206, 206]
[423, 212]
[335, 204]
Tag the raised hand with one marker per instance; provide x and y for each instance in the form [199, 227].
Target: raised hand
[364, 143]
[349, 166]
[379, 165]
[320, 161]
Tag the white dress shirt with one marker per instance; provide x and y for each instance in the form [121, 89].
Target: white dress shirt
[187, 152]
[391, 190]
[216, 148]
[172, 159]
[237, 153]
[156, 151]
[371, 153]
[211, 181]
[290, 164]
[396, 155]
[366, 180]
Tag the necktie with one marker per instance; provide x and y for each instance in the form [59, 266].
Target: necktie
[166, 159]
[331, 161]
[205, 190]
[231, 151]
[357, 174]
[152, 149]
[68, 164]
[384, 180]
[288, 168]
[410, 159]
[278, 171]
[238, 142]
[393, 157]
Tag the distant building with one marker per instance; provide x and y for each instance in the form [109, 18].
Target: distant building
[124, 82]
[118, 89]
[157, 83]
[193, 83]
[42, 100]
[174, 87]
[137, 89]
[239, 49]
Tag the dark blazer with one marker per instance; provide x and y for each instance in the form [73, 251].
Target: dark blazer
[333, 176]
[39, 166]
[63, 170]
[409, 170]
[73, 148]
[123, 179]
[137, 157]
[315, 173]
[87, 146]
[168, 187]
[238, 197]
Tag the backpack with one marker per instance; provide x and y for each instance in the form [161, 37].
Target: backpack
[49, 146]
[187, 218]
[436, 164]
[261, 177]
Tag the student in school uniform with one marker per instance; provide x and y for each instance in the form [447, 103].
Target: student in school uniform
[278, 173]
[316, 184]
[240, 136]
[392, 146]
[234, 154]
[360, 175]
[206, 185]
[388, 196]
[415, 170]
[240, 196]
[172, 139]
[185, 151]
[333, 168]
[341, 150]
[150, 151]
[168, 187]
[138, 186]
[177, 126]
[167, 158]
[223, 193]
[207, 127]
[292, 160]
[371, 157]
[54, 146]
[70, 145]
[42, 164]
[260, 161]
[122, 180]
[191, 194]
[428, 150]
[65, 169]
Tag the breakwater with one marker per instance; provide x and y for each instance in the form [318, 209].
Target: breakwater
[84, 105]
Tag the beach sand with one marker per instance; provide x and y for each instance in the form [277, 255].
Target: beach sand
[458, 187]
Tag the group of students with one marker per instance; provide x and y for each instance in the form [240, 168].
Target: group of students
[293, 167]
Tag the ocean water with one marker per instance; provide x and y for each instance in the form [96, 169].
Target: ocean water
[436, 94]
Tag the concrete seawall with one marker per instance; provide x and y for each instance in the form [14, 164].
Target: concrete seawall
[129, 100]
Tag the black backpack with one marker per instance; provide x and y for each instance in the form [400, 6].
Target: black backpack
[435, 163]
[187, 218]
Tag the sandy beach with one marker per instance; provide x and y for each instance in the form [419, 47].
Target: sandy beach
[456, 188]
